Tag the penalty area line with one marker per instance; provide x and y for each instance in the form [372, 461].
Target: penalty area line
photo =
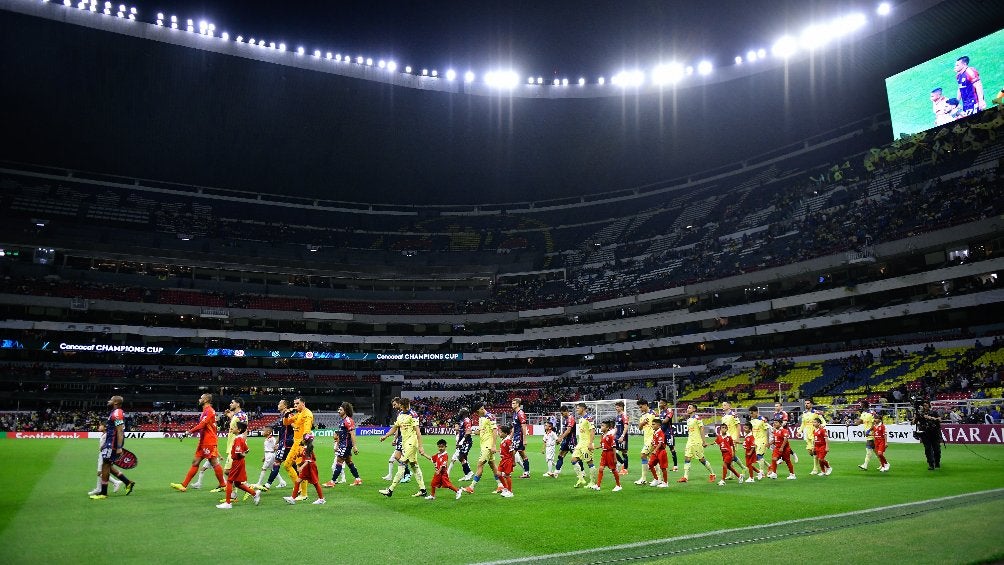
[647, 543]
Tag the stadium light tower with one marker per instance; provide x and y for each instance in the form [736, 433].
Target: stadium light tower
[884, 9]
[392, 66]
[704, 68]
[469, 76]
[451, 75]
[785, 47]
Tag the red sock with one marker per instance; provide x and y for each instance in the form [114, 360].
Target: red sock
[725, 471]
[617, 478]
[296, 489]
[320, 493]
[652, 469]
[882, 459]
[219, 474]
[508, 483]
[823, 464]
[599, 477]
[245, 488]
[191, 473]
[230, 492]
[665, 476]
[736, 473]
[791, 469]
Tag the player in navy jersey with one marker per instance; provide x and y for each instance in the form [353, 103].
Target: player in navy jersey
[111, 449]
[520, 430]
[345, 446]
[283, 445]
[463, 444]
[621, 437]
[970, 87]
[666, 416]
[566, 439]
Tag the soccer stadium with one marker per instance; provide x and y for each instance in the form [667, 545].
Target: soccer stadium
[490, 282]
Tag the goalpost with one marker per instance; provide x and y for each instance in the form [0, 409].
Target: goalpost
[603, 410]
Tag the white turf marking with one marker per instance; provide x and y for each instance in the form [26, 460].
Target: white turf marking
[736, 530]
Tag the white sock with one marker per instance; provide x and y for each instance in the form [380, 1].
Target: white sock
[113, 480]
[261, 478]
[390, 468]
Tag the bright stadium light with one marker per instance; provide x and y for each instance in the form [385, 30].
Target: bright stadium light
[67, 3]
[160, 15]
[282, 46]
[382, 64]
[629, 79]
[299, 50]
[582, 81]
[667, 73]
[751, 56]
[850, 23]
[392, 66]
[601, 81]
[425, 72]
[761, 53]
[555, 82]
[704, 68]
[884, 9]
[502, 79]
[240, 39]
[529, 80]
[174, 19]
[408, 69]
[203, 26]
[739, 60]
[564, 82]
[359, 59]
[317, 53]
[689, 70]
[540, 80]
[133, 11]
[451, 74]
[369, 62]
[815, 36]
[469, 76]
[328, 55]
[261, 43]
[225, 36]
[435, 73]
[785, 47]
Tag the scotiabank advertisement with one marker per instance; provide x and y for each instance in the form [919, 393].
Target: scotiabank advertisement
[47, 435]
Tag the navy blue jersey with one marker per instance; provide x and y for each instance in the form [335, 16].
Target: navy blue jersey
[666, 421]
[115, 418]
[620, 424]
[518, 419]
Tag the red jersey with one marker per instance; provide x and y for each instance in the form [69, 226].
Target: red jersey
[239, 448]
[506, 453]
[819, 438]
[749, 443]
[726, 444]
[781, 437]
[878, 431]
[206, 428]
[439, 461]
[658, 440]
[608, 441]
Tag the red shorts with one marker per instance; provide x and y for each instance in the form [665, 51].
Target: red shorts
[206, 452]
[608, 459]
[506, 465]
[658, 459]
[751, 458]
[308, 473]
[238, 472]
[778, 454]
[820, 453]
[443, 480]
[879, 446]
[727, 458]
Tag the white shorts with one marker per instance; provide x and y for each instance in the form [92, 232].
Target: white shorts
[100, 461]
[549, 453]
[269, 461]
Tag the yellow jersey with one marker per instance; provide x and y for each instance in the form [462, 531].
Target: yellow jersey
[759, 427]
[808, 419]
[867, 421]
[408, 426]
[584, 430]
[647, 424]
[695, 430]
[487, 432]
[302, 422]
[732, 423]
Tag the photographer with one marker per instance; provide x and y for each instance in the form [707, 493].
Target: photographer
[929, 433]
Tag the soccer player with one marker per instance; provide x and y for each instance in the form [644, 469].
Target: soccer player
[809, 417]
[268, 457]
[608, 455]
[117, 484]
[657, 458]
[782, 450]
[647, 424]
[284, 444]
[395, 457]
[507, 459]
[302, 421]
[520, 431]
[731, 421]
[881, 439]
[582, 454]
[621, 433]
[235, 414]
[549, 447]
[411, 448]
[695, 445]
[442, 476]
[820, 446]
[760, 438]
[780, 414]
[666, 416]
[488, 437]
[943, 112]
[970, 87]
[567, 437]
[463, 444]
[867, 420]
[750, 445]
[345, 446]
[306, 472]
[728, 448]
[207, 448]
[111, 449]
[237, 475]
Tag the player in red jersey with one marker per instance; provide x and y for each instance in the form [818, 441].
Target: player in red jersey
[507, 454]
[749, 444]
[657, 458]
[440, 460]
[306, 472]
[237, 475]
[881, 439]
[728, 447]
[208, 443]
[820, 446]
[782, 450]
[608, 454]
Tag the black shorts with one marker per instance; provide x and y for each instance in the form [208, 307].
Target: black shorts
[107, 454]
[518, 444]
[464, 448]
[670, 441]
[343, 451]
[622, 445]
[567, 444]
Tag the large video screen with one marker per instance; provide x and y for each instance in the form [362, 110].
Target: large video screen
[947, 87]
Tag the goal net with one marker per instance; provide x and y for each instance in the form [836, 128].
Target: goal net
[604, 410]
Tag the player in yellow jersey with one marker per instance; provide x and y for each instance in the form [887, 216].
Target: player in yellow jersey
[647, 424]
[411, 447]
[731, 420]
[866, 420]
[758, 427]
[302, 420]
[809, 418]
[695, 445]
[488, 437]
[585, 432]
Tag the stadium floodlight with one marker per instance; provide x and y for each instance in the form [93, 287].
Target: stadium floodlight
[300, 50]
[884, 9]
[108, 11]
[529, 80]
[451, 74]
[408, 69]
[739, 60]
[132, 17]
[502, 79]
[133, 11]
[225, 36]
[122, 8]
[469, 76]
[392, 66]
[369, 61]
[751, 56]
[240, 39]
[261, 43]
[850, 23]
[174, 19]
[67, 3]
[582, 81]
[564, 82]
[382, 64]
[435, 73]
[761, 53]
[317, 53]
[555, 82]
[425, 72]
[82, 5]
[689, 70]
[629, 79]
[338, 56]
[120, 14]
[816, 36]
[203, 26]
[704, 68]
[359, 59]
[540, 80]
[160, 15]
[272, 45]
[94, 7]
[109, 6]
[785, 47]
[174, 25]
[667, 73]
[601, 81]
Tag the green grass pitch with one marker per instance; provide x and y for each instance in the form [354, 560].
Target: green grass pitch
[45, 515]
[909, 91]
